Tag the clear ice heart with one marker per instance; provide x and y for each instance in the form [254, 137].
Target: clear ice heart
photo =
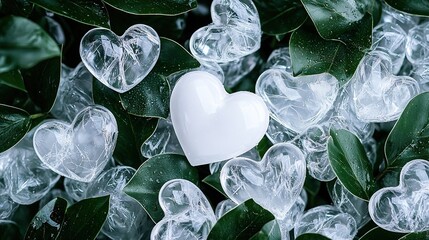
[120, 62]
[79, 150]
[417, 47]
[400, 18]
[188, 214]
[234, 33]
[275, 182]
[223, 207]
[287, 223]
[404, 208]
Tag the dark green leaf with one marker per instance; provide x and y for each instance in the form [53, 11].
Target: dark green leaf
[14, 124]
[89, 12]
[9, 230]
[270, 231]
[84, 219]
[42, 82]
[16, 7]
[23, 44]
[409, 138]
[350, 163]
[380, 233]
[278, 18]
[416, 236]
[150, 98]
[311, 185]
[152, 174]
[153, 7]
[311, 236]
[420, 7]
[47, 222]
[311, 54]
[214, 182]
[133, 130]
[241, 222]
[263, 146]
[13, 79]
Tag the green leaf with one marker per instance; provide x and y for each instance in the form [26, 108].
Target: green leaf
[263, 146]
[9, 230]
[409, 138]
[133, 130]
[311, 54]
[281, 18]
[14, 124]
[241, 222]
[350, 163]
[213, 181]
[311, 236]
[13, 79]
[42, 82]
[152, 174]
[416, 236]
[16, 7]
[420, 8]
[23, 44]
[47, 222]
[380, 233]
[153, 7]
[88, 12]
[84, 219]
[150, 98]
[270, 231]
[311, 185]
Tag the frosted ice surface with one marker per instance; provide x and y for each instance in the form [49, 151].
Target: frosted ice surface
[417, 47]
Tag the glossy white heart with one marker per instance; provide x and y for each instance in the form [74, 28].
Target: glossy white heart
[212, 125]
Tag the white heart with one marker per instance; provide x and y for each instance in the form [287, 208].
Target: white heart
[212, 125]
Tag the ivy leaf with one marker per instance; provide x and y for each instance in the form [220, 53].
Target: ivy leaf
[88, 12]
[420, 8]
[280, 18]
[241, 222]
[23, 44]
[213, 181]
[416, 236]
[153, 7]
[9, 230]
[12, 79]
[380, 233]
[270, 231]
[152, 174]
[311, 236]
[14, 124]
[47, 222]
[83, 220]
[409, 138]
[350, 163]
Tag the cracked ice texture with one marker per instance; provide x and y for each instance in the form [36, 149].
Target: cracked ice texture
[188, 214]
[280, 58]
[235, 70]
[402, 19]
[417, 47]
[297, 102]
[327, 221]
[251, 154]
[79, 150]
[404, 208]
[122, 62]
[275, 182]
[234, 33]
[378, 95]
[223, 207]
[126, 218]
[74, 93]
[287, 223]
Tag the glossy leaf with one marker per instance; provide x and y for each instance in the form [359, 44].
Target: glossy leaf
[241, 222]
[311, 236]
[23, 44]
[16, 7]
[263, 146]
[83, 220]
[47, 222]
[270, 231]
[42, 82]
[9, 230]
[380, 233]
[12, 79]
[413, 7]
[409, 138]
[416, 236]
[14, 124]
[350, 163]
[152, 174]
[213, 181]
[153, 7]
[88, 12]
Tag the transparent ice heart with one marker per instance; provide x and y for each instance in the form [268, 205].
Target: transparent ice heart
[223, 207]
[286, 224]
[378, 95]
[400, 18]
[300, 102]
[188, 214]
[126, 218]
[74, 93]
[417, 47]
[280, 58]
[251, 154]
[122, 62]
[404, 208]
[328, 221]
[79, 150]
[235, 70]
[234, 33]
[278, 133]
[7, 205]
[274, 183]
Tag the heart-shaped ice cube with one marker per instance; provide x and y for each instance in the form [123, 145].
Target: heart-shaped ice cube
[80, 150]
[122, 62]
